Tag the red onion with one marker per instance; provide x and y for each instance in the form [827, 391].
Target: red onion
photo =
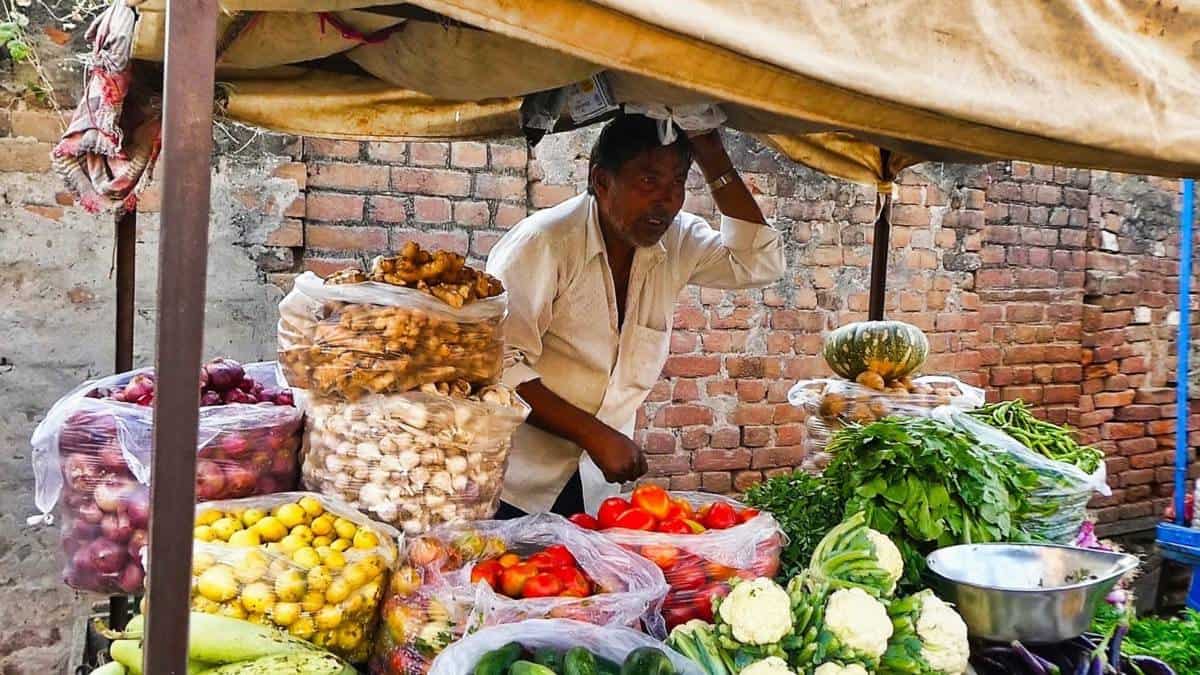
[111, 458]
[107, 557]
[137, 541]
[224, 374]
[91, 513]
[95, 393]
[116, 527]
[284, 463]
[210, 480]
[81, 473]
[268, 484]
[146, 400]
[285, 398]
[137, 507]
[210, 397]
[111, 494]
[81, 531]
[131, 578]
[139, 386]
[247, 384]
[239, 480]
[203, 377]
[234, 444]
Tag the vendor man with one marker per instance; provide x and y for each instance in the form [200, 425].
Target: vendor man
[592, 285]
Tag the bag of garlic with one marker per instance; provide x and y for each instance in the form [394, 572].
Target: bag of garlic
[416, 459]
[447, 584]
[413, 319]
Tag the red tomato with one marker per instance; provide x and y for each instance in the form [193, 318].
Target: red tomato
[697, 528]
[676, 616]
[720, 517]
[561, 556]
[747, 514]
[675, 526]
[683, 508]
[575, 584]
[717, 571]
[704, 599]
[652, 499]
[609, 510]
[662, 555]
[585, 521]
[543, 585]
[513, 579]
[508, 560]
[685, 577]
[543, 561]
[635, 519]
[488, 571]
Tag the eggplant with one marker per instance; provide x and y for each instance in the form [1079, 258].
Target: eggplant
[1150, 665]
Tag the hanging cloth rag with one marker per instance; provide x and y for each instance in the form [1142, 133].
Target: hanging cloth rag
[692, 118]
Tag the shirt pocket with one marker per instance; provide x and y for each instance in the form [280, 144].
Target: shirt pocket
[643, 363]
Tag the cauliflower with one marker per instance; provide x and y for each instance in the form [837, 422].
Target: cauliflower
[853, 554]
[859, 622]
[758, 612]
[888, 556]
[943, 636]
[772, 665]
[838, 669]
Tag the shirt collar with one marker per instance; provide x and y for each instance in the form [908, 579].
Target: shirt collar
[595, 239]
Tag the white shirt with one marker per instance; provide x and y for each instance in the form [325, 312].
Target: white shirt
[562, 324]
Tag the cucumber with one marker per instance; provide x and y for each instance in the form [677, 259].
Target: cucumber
[110, 668]
[219, 639]
[497, 661]
[529, 668]
[127, 653]
[303, 663]
[579, 661]
[551, 658]
[606, 667]
[647, 661]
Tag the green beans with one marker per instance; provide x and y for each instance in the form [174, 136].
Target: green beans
[1051, 440]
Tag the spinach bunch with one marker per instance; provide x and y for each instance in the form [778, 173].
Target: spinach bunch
[927, 485]
[806, 507]
[1174, 640]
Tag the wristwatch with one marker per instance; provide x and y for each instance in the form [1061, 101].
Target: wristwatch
[722, 180]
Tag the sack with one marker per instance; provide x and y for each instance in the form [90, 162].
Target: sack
[832, 403]
[698, 567]
[95, 454]
[431, 601]
[350, 340]
[305, 563]
[414, 460]
[610, 642]
[1059, 503]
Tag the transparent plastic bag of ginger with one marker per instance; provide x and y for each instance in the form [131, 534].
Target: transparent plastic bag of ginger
[832, 403]
[348, 340]
[417, 459]
[91, 463]
[309, 564]
[609, 642]
[431, 600]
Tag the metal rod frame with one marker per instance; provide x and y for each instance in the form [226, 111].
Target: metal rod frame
[880, 248]
[182, 258]
[126, 271]
[1183, 347]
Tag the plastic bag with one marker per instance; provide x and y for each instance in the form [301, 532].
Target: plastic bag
[832, 403]
[306, 563]
[416, 459]
[431, 600]
[689, 117]
[349, 340]
[610, 642]
[1059, 503]
[94, 454]
[697, 567]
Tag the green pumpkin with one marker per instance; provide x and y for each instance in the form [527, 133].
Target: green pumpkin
[893, 349]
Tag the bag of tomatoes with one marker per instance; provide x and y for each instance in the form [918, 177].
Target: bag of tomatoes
[458, 578]
[698, 540]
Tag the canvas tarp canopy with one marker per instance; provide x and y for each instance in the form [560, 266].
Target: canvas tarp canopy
[855, 88]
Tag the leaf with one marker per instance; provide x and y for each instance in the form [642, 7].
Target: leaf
[897, 493]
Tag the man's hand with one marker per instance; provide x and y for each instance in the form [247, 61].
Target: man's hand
[617, 456]
[733, 199]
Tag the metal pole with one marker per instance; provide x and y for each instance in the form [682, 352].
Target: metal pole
[1183, 346]
[182, 256]
[879, 257]
[126, 264]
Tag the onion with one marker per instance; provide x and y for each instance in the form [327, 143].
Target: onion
[247, 385]
[285, 398]
[224, 374]
[283, 462]
[210, 480]
[116, 527]
[131, 578]
[235, 396]
[137, 541]
[268, 484]
[81, 472]
[91, 513]
[112, 459]
[210, 397]
[111, 494]
[234, 444]
[269, 393]
[107, 557]
[239, 480]
[203, 378]
[137, 507]
[81, 531]
[146, 400]
[139, 386]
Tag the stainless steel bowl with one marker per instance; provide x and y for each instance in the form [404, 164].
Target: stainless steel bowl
[1034, 593]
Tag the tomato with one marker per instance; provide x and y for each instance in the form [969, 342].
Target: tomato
[635, 519]
[720, 516]
[652, 499]
[676, 616]
[609, 510]
[704, 599]
[747, 514]
[543, 561]
[575, 584]
[674, 526]
[662, 555]
[560, 555]
[681, 508]
[543, 585]
[585, 521]
[513, 579]
[696, 528]
[718, 572]
[685, 576]
[509, 559]
[487, 571]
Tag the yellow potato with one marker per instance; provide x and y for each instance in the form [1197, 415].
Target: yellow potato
[289, 545]
[349, 636]
[341, 544]
[335, 560]
[374, 565]
[250, 517]
[203, 604]
[233, 610]
[291, 586]
[224, 528]
[329, 617]
[306, 558]
[319, 578]
[303, 627]
[345, 528]
[323, 525]
[366, 540]
[321, 542]
[291, 515]
[303, 533]
[245, 538]
[311, 505]
[203, 533]
[209, 517]
[270, 529]
[202, 561]
[355, 575]
[338, 591]
[218, 583]
[313, 601]
[285, 613]
[258, 598]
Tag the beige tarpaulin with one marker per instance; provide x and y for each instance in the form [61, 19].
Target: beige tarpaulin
[1108, 84]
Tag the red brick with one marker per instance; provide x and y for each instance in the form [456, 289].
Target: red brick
[684, 342]
[333, 206]
[383, 209]
[342, 176]
[326, 266]
[685, 391]
[665, 465]
[1160, 427]
[682, 416]
[441, 182]
[692, 366]
[744, 480]
[468, 154]
[659, 393]
[777, 391]
[718, 481]
[788, 319]
[346, 238]
[508, 215]
[1027, 394]
[1138, 413]
[766, 458]
[756, 437]
[431, 209]
[483, 242]
[493, 186]
[385, 151]
[47, 212]
[330, 148]
[686, 481]
[657, 442]
[725, 437]
[24, 154]
[428, 154]
[1156, 395]
[753, 414]
[789, 434]
[721, 459]
[720, 387]
[1061, 393]
[289, 233]
[509, 156]
[1132, 511]
[1113, 399]
[471, 214]
[1068, 373]
[786, 413]
[542, 195]
[696, 437]
[1091, 419]
[1100, 370]
[293, 171]
[1122, 430]
[1137, 446]
[1150, 460]
[751, 391]
[751, 366]
[1136, 477]
[44, 125]
[433, 240]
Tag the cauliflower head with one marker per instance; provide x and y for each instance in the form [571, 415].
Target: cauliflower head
[758, 612]
[943, 636]
[772, 665]
[888, 556]
[838, 669]
[859, 622]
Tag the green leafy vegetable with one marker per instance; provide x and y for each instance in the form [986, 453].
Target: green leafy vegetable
[1175, 640]
[926, 485]
[1051, 440]
[806, 507]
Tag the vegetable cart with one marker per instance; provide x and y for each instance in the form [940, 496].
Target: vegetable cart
[850, 104]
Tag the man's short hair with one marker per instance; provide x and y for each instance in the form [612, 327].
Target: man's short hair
[627, 136]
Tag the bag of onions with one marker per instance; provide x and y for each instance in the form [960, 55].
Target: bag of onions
[416, 459]
[91, 457]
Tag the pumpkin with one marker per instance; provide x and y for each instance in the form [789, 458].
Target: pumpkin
[893, 349]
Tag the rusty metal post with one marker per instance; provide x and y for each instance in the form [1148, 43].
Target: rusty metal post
[879, 258]
[126, 267]
[182, 258]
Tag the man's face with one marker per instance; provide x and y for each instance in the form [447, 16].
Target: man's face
[642, 198]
